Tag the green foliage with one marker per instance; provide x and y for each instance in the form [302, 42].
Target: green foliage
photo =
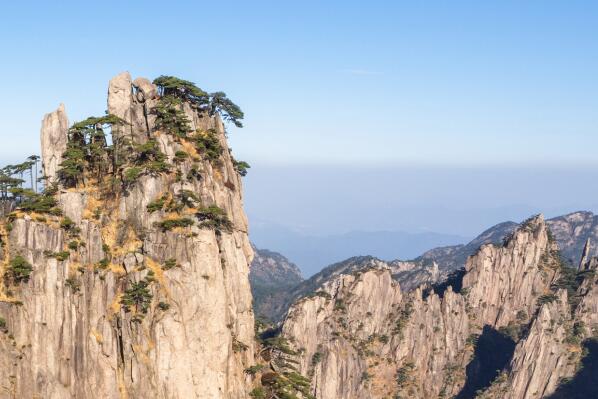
[180, 88]
[213, 217]
[170, 117]
[258, 393]
[229, 111]
[253, 370]
[207, 143]
[169, 264]
[156, 205]
[163, 306]
[59, 256]
[149, 156]
[87, 150]
[19, 270]
[103, 264]
[73, 165]
[316, 358]
[339, 305]
[3, 325]
[241, 167]
[513, 330]
[66, 223]
[137, 296]
[132, 174]
[180, 156]
[546, 298]
[239, 346]
[30, 201]
[169, 224]
[403, 318]
[188, 198]
[73, 284]
[74, 245]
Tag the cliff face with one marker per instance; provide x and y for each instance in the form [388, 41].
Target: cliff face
[509, 311]
[119, 303]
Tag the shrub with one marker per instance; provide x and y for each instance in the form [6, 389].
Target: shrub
[169, 224]
[241, 167]
[67, 224]
[138, 296]
[163, 306]
[102, 264]
[170, 117]
[132, 174]
[156, 205]
[169, 264]
[258, 393]
[19, 270]
[253, 370]
[213, 217]
[73, 284]
[74, 245]
[59, 256]
[547, 298]
[180, 156]
[207, 143]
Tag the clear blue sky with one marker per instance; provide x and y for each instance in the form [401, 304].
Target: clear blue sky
[378, 83]
[327, 82]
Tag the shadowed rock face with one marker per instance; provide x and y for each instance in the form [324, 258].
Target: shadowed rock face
[493, 352]
[78, 328]
[372, 341]
[271, 277]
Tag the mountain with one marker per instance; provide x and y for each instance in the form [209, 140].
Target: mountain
[515, 323]
[571, 233]
[271, 275]
[128, 276]
[311, 253]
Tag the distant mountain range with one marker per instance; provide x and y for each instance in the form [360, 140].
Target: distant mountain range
[570, 231]
[311, 253]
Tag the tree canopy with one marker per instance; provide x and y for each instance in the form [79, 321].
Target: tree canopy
[213, 103]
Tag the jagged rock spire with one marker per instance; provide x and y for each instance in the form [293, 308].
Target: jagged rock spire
[54, 137]
[132, 100]
[583, 263]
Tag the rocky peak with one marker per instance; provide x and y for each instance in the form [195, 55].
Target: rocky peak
[431, 342]
[131, 278]
[53, 141]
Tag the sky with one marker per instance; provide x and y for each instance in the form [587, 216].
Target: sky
[405, 95]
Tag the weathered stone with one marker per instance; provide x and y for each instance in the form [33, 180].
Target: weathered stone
[54, 138]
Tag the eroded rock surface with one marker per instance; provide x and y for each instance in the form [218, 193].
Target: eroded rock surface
[115, 305]
[378, 343]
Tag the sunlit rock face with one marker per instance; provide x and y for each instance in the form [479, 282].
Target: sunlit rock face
[360, 337]
[132, 310]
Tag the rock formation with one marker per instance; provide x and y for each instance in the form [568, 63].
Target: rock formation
[53, 141]
[138, 289]
[360, 337]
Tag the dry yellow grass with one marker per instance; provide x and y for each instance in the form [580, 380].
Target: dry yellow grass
[97, 336]
[158, 275]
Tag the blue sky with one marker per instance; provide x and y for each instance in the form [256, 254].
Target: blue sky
[375, 84]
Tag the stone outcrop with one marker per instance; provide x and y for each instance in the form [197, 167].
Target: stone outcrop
[53, 141]
[375, 342]
[117, 307]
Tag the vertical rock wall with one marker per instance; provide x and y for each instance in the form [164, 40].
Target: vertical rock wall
[68, 333]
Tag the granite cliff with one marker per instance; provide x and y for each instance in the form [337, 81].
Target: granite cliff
[513, 324]
[128, 276]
